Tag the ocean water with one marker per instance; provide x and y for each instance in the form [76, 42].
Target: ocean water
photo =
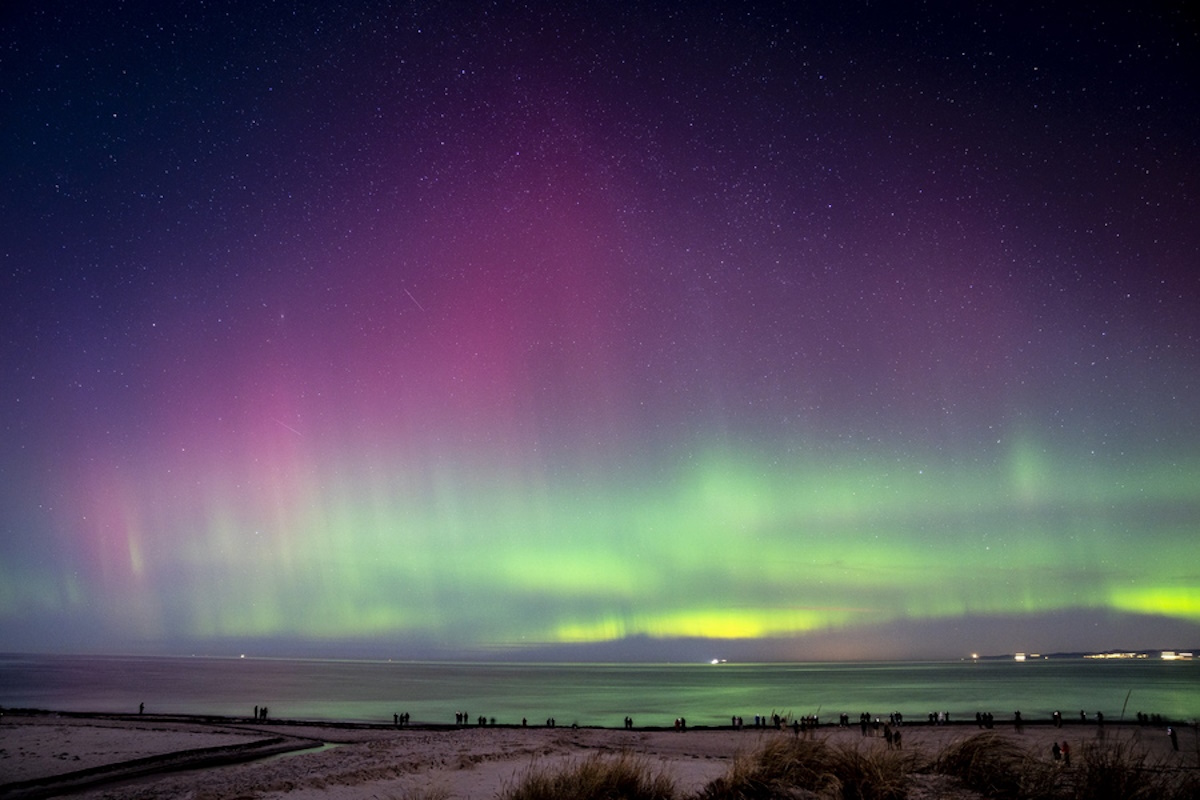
[598, 694]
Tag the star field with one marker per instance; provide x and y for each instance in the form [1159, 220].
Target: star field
[478, 328]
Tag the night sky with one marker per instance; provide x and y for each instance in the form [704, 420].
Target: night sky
[646, 330]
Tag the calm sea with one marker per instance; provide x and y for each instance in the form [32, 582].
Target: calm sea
[597, 694]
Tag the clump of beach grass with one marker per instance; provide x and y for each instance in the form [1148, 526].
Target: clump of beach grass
[988, 764]
[874, 774]
[1104, 770]
[998, 767]
[777, 769]
[1121, 771]
[597, 777]
[802, 768]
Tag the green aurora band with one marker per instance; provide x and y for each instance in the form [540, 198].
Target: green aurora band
[730, 547]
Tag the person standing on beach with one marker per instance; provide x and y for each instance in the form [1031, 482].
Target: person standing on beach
[1174, 739]
[1066, 754]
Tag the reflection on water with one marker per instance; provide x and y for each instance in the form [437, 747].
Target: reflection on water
[598, 694]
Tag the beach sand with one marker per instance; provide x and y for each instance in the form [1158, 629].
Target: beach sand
[146, 757]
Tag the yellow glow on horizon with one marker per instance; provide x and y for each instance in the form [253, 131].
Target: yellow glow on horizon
[715, 624]
[1170, 601]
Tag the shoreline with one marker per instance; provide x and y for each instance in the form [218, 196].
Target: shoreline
[1066, 723]
[46, 753]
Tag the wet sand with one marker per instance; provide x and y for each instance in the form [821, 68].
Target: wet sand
[148, 757]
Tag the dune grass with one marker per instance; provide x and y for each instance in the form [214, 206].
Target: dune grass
[597, 777]
[813, 768]
[987, 764]
[1121, 771]
[998, 767]
[775, 770]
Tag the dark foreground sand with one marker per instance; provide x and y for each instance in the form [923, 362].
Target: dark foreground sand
[112, 756]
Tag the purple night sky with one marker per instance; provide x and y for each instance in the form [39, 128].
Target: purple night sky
[625, 330]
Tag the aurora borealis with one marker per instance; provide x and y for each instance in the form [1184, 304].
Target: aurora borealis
[656, 331]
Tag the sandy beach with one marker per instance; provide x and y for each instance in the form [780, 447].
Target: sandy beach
[110, 756]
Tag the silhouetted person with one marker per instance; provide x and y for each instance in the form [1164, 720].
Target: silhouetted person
[141, 708]
[1174, 739]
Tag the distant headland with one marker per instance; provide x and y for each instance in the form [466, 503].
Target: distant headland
[1163, 655]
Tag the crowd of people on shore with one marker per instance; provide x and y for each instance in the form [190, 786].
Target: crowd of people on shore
[870, 725]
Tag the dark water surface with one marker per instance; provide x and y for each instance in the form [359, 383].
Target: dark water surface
[598, 694]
